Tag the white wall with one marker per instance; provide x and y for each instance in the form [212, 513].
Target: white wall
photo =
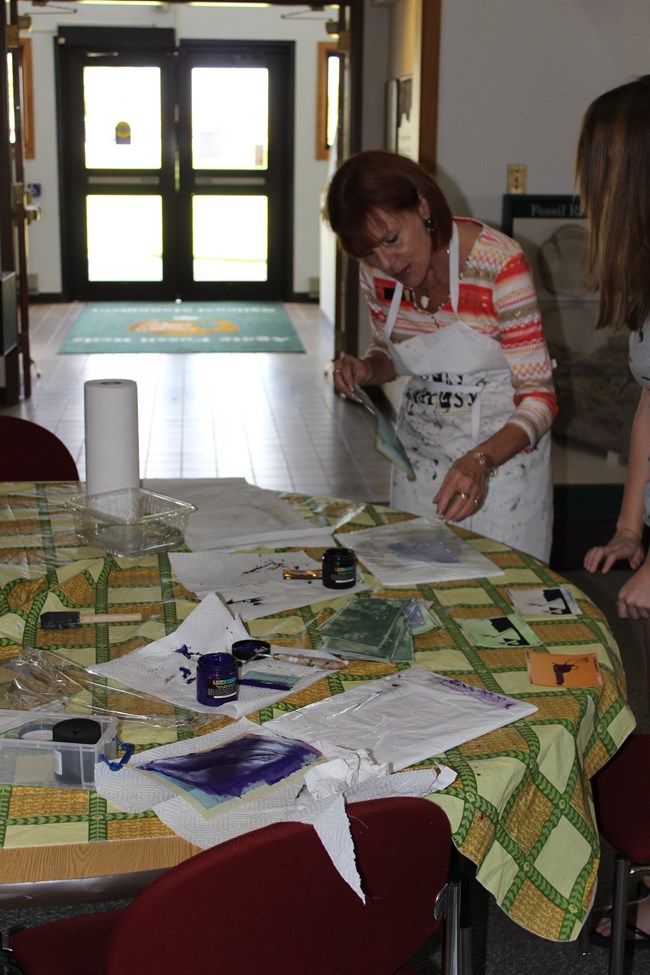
[515, 79]
[269, 23]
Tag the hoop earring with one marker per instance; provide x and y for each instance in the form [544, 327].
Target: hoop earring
[428, 223]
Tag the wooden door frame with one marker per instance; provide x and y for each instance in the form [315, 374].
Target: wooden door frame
[346, 326]
[429, 84]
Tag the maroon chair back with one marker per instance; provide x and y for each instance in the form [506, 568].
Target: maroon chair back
[622, 798]
[622, 802]
[29, 452]
[270, 900]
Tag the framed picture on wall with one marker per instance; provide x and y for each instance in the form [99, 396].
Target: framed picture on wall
[392, 97]
[406, 143]
[553, 233]
[596, 394]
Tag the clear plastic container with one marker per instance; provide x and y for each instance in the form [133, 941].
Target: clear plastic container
[31, 755]
[131, 521]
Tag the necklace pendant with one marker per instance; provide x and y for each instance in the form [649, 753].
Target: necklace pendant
[424, 301]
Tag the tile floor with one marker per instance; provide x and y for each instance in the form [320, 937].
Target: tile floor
[271, 418]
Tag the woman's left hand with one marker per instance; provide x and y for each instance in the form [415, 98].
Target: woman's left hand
[463, 489]
[634, 597]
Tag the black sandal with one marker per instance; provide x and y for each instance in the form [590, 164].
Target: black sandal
[638, 943]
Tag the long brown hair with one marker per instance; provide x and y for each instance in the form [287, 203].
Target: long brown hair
[613, 177]
[375, 180]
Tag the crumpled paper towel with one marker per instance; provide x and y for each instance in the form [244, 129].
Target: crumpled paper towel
[345, 770]
[317, 797]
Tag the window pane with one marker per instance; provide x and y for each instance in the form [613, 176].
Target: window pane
[10, 90]
[230, 238]
[219, 140]
[124, 238]
[333, 74]
[122, 131]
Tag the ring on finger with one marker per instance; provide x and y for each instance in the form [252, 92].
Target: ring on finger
[464, 495]
[477, 500]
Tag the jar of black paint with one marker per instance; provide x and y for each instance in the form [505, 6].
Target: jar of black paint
[339, 568]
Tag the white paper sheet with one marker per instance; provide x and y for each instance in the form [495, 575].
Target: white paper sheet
[160, 670]
[252, 585]
[402, 719]
[232, 513]
[411, 552]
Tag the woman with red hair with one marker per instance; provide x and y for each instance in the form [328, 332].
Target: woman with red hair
[452, 305]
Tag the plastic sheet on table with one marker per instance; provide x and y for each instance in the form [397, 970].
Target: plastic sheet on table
[402, 719]
[42, 679]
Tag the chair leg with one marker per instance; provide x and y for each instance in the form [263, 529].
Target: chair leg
[464, 871]
[449, 909]
[467, 880]
[7, 965]
[466, 951]
[619, 914]
[584, 941]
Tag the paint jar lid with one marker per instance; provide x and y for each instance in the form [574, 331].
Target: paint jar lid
[245, 650]
[81, 731]
[339, 556]
[223, 663]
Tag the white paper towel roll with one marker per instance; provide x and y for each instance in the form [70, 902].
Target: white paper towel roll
[111, 429]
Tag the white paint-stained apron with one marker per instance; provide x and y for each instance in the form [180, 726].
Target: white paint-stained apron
[446, 413]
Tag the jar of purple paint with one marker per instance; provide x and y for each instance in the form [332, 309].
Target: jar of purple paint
[216, 679]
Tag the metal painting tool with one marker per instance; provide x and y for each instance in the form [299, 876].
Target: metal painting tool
[68, 620]
[319, 662]
[302, 574]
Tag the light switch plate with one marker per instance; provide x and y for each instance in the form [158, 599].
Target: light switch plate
[517, 177]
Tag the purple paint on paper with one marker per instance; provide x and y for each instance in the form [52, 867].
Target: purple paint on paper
[490, 697]
[186, 674]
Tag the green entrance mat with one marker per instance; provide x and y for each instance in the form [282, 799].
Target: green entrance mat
[225, 326]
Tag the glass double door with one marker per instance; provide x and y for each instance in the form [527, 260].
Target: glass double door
[177, 171]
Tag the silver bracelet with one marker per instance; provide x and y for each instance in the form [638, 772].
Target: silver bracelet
[486, 462]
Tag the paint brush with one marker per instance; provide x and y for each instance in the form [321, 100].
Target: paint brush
[68, 619]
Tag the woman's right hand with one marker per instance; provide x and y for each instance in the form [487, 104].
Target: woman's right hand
[625, 545]
[350, 372]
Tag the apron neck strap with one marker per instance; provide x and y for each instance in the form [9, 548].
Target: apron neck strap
[393, 310]
[454, 283]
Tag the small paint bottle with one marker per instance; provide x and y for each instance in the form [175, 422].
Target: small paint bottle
[339, 568]
[216, 679]
[74, 764]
